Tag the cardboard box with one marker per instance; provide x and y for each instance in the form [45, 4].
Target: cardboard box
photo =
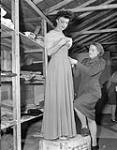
[76, 143]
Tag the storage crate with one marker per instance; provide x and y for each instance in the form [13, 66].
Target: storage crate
[6, 91]
[6, 60]
[31, 94]
[76, 143]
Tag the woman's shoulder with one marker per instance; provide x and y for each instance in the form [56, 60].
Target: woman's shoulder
[52, 34]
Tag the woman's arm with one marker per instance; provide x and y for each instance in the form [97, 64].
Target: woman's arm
[96, 67]
[52, 46]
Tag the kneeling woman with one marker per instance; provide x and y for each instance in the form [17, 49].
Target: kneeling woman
[88, 73]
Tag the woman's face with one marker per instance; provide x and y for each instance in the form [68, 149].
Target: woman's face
[62, 23]
[93, 52]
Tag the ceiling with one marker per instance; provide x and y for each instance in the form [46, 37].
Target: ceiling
[94, 20]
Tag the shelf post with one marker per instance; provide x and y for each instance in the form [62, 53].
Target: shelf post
[16, 69]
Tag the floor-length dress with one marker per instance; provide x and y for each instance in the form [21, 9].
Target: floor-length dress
[58, 117]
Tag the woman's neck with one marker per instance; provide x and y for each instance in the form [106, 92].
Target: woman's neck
[57, 29]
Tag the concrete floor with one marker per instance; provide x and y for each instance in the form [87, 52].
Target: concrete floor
[107, 134]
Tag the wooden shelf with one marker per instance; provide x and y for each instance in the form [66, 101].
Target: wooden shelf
[17, 44]
[28, 118]
[35, 82]
[5, 29]
[26, 43]
[7, 124]
[6, 79]
[29, 43]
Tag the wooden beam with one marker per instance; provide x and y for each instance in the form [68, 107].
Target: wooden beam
[92, 8]
[63, 3]
[110, 43]
[37, 1]
[85, 39]
[32, 50]
[98, 23]
[102, 4]
[32, 19]
[31, 4]
[99, 28]
[38, 62]
[95, 8]
[98, 31]
[108, 37]
[57, 6]
[95, 37]
[101, 21]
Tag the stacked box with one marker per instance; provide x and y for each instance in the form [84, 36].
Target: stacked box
[6, 60]
[77, 143]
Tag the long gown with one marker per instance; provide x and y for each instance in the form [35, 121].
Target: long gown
[58, 117]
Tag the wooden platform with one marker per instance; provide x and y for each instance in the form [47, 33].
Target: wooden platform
[76, 143]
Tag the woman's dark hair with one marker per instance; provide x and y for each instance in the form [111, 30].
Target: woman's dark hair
[65, 14]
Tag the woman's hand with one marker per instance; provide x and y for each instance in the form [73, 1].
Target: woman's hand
[73, 61]
[62, 41]
[69, 42]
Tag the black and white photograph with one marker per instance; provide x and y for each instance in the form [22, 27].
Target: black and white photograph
[58, 74]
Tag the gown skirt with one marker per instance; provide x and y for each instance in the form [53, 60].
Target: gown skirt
[58, 117]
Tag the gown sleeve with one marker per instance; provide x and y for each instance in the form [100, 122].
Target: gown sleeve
[49, 41]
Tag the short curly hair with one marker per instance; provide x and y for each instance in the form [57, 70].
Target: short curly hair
[65, 14]
[99, 48]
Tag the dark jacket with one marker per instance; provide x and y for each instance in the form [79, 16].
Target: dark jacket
[87, 74]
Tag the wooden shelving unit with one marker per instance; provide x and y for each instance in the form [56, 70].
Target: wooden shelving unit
[13, 41]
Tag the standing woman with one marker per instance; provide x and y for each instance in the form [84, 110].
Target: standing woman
[89, 91]
[58, 117]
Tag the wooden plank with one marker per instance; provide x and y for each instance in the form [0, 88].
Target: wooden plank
[87, 13]
[33, 50]
[16, 69]
[99, 28]
[94, 38]
[106, 38]
[37, 1]
[7, 124]
[97, 31]
[57, 6]
[27, 41]
[38, 62]
[31, 4]
[91, 37]
[26, 20]
[28, 118]
[92, 8]
[95, 8]
[111, 17]
[110, 43]
[51, 10]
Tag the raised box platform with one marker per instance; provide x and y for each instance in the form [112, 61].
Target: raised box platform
[76, 143]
